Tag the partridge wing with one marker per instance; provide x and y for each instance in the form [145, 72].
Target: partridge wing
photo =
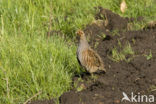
[91, 59]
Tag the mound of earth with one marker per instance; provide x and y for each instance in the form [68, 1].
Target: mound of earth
[136, 75]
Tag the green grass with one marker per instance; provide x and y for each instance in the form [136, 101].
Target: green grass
[32, 65]
[29, 63]
[148, 56]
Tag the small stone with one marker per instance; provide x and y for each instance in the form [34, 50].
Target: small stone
[96, 94]
[117, 101]
[100, 103]
[83, 86]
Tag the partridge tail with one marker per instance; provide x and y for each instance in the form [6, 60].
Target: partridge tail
[102, 69]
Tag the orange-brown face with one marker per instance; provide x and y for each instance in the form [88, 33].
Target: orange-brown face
[80, 33]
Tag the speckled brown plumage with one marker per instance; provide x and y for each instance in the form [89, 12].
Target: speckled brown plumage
[87, 57]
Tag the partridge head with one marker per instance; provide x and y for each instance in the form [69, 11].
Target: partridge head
[87, 57]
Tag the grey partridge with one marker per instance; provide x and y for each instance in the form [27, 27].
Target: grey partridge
[87, 57]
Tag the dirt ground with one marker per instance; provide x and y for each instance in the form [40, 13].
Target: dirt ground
[136, 75]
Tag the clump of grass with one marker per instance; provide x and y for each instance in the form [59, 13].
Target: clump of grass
[115, 33]
[103, 36]
[153, 88]
[121, 55]
[149, 56]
